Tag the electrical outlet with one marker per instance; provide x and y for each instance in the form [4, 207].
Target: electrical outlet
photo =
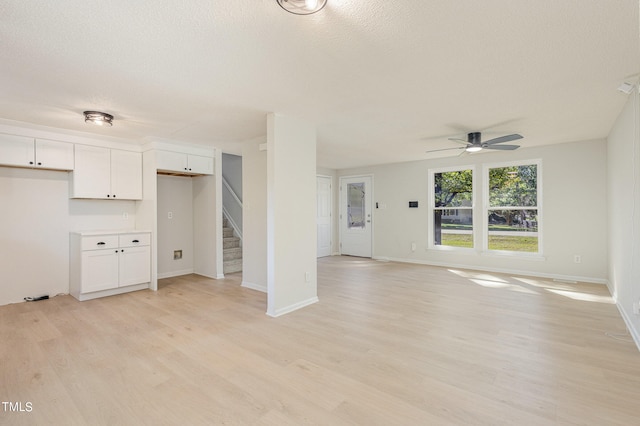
[170, 215]
[307, 277]
[577, 258]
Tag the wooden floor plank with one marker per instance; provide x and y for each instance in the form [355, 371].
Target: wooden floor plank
[388, 343]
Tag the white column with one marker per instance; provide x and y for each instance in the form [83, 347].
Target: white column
[291, 214]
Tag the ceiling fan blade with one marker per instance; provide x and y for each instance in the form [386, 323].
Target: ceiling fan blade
[444, 149]
[503, 147]
[501, 139]
[459, 140]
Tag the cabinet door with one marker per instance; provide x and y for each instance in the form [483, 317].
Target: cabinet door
[126, 175]
[99, 270]
[201, 165]
[171, 161]
[16, 151]
[54, 155]
[92, 172]
[135, 265]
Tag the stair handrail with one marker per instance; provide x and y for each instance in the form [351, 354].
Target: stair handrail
[235, 197]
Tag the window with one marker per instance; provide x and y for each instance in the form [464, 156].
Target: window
[513, 208]
[451, 207]
[355, 205]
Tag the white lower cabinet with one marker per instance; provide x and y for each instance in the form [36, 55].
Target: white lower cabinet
[104, 264]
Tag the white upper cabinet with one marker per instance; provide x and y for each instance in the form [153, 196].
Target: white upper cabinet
[106, 173]
[170, 161]
[126, 174]
[199, 164]
[23, 151]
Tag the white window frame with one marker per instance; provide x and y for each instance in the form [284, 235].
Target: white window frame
[431, 209]
[484, 231]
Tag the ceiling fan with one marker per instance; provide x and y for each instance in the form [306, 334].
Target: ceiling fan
[474, 143]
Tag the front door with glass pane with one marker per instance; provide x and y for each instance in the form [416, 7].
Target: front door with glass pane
[355, 216]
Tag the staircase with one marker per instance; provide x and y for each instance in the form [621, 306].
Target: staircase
[232, 252]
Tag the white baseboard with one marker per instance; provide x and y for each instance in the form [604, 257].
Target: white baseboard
[174, 273]
[557, 277]
[632, 330]
[254, 286]
[294, 307]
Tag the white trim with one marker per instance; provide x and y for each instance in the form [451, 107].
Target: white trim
[254, 286]
[431, 208]
[112, 291]
[175, 273]
[216, 277]
[576, 278]
[294, 307]
[484, 217]
[233, 224]
[632, 330]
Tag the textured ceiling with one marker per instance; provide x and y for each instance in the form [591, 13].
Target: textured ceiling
[384, 81]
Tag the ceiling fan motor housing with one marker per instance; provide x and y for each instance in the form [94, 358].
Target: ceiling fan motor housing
[474, 138]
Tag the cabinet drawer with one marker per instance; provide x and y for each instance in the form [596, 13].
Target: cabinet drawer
[132, 240]
[97, 242]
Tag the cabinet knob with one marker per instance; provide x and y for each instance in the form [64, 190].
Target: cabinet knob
[114, 195]
[101, 243]
[135, 241]
[108, 195]
[116, 251]
[39, 163]
[30, 162]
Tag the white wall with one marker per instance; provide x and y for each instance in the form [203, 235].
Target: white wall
[291, 214]
[574, 212]
[175, 195]
[35, 221]
[254, 216]
[624, 212]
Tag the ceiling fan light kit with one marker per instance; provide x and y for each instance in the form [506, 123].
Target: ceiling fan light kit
[474, 143]
[302, 7]
[98, 118]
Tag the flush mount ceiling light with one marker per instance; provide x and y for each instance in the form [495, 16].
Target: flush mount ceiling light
[302, 7]
[98, 118]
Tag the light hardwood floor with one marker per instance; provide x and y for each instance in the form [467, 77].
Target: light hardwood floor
[388, 344]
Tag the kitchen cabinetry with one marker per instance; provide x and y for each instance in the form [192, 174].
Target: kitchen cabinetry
[169, 161]
[108, 263]
[23, 151]
[106, 173]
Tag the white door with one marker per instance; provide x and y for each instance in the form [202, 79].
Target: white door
[323, 184]
[135, 265]
[99, 270]
[355, 216]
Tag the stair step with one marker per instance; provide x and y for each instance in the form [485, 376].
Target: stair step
[232, 253]
[231, 266]
[230, 242]
[227, 232]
